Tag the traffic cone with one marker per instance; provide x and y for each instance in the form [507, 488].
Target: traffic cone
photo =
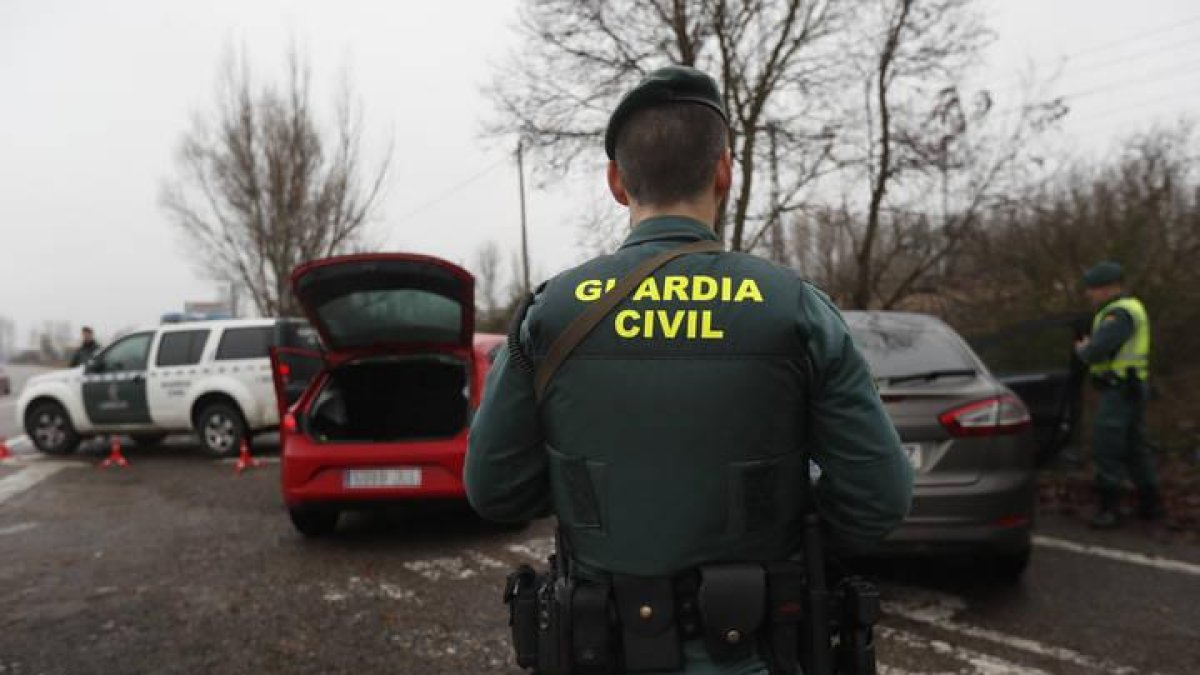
[115, 458]
[5, 453]
[245, 461]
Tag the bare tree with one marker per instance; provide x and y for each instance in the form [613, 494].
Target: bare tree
[487, 275]
[769, 57]
[261, 186]
[932, 158]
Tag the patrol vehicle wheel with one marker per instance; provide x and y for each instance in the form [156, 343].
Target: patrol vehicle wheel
[313, 521]
[49, 427]
[221, 429]
[147, 440]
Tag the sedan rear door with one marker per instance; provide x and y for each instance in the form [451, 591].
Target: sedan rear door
[1036, 359]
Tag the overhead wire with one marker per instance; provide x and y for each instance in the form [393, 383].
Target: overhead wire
[448, 192]
[1066, 60]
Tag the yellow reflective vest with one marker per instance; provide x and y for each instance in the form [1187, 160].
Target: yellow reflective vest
[1135, 352]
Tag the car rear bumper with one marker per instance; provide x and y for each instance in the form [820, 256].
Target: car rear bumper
[994, 513]
[315, 472]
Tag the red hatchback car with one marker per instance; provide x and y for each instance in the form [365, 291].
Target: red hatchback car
[383, 413]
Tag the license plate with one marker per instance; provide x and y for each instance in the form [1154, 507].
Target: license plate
[913, 450]
[381, 478]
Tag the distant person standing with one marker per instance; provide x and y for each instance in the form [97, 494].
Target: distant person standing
[1118, 353]
[87, 348]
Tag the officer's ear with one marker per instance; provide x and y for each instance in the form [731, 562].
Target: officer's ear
[615, 185]
[723, 178]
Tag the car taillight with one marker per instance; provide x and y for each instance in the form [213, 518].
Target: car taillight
[284, 371]
[289, 423]
[1004, 414]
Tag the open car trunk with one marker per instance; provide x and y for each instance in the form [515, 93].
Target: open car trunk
[392, 399]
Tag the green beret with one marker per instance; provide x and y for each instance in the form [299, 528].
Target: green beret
[673, 84]
[1102, 274]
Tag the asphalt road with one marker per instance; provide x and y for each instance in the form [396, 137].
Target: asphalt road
[176, 565]
[9, 426]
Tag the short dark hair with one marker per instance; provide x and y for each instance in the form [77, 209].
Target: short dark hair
[86, 329]
[668, 154]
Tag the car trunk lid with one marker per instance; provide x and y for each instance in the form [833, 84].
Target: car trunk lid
[387, 302]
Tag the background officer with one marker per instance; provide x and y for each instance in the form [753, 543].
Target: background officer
[1118, 352]
[87, 347]
[672, 437]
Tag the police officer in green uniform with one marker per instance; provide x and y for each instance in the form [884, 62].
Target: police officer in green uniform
[676, 432]
[1118, 353]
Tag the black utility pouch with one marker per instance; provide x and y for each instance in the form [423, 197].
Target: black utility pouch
[520, 594]
[732, 602]
[649, 634]
[592, 626]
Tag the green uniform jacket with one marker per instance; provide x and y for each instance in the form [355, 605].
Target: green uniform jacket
[671, 437]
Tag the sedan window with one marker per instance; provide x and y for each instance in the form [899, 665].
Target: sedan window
[909, 352]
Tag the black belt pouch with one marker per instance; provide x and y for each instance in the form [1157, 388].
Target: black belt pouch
[592, 641]
[732, 602]
[649, 632]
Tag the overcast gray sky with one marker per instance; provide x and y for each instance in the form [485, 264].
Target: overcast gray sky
[95, 96]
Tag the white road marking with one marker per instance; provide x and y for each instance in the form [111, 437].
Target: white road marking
[537, 549]
[264, 460]
[981, 663]
[436, 568]
[485, 561]
[1118, 554]
[938, 610]
[32, 474]
[16, 529]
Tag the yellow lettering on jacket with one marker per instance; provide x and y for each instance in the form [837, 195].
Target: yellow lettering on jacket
[748, 289]
[621, 323]
[588, 290]
[647, 291]
[704, 289]
[694, 323]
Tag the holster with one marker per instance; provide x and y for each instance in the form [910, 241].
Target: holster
[520, 594]
[649, 630]
[554, 626]
[858, 614]
[539, 617]
[732, 603]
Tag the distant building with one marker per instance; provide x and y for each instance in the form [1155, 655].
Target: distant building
[53, 339]
[8, 338]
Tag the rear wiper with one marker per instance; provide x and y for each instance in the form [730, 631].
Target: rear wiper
[930, 375]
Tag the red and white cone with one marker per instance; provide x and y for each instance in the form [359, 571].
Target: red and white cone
[115, 458]
[5, 453]
[245, 461]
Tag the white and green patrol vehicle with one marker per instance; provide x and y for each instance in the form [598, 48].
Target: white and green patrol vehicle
[210, 377]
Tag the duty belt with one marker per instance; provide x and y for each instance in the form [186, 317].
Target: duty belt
[636, 624]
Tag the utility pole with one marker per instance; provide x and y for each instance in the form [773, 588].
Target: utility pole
[524, 233]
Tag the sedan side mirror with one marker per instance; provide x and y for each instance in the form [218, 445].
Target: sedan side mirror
[93, 366]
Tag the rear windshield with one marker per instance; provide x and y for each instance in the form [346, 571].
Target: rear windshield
[401, 314]
[899, 349]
